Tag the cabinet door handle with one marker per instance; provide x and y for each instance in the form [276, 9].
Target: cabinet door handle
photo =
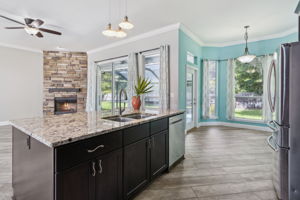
[176, 121]
[93, 169]
[100, 166]
[95, 149]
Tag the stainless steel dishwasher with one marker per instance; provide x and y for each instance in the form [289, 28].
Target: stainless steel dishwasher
[176, 138]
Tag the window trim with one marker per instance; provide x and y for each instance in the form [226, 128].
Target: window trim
[150, 53]
[98, 76]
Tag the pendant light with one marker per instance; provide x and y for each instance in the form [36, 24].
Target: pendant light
[247, 57]
[109, 32]
[125, 24]
[120, 33]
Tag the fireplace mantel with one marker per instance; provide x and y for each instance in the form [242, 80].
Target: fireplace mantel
[51, 90]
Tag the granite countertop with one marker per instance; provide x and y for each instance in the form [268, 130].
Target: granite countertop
[57, 130]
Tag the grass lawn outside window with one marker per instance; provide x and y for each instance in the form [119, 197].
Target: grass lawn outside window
[252, 114]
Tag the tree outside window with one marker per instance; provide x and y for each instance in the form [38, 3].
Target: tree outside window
[249, 91]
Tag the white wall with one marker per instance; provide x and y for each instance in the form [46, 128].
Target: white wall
[151, 42]
[21, 83]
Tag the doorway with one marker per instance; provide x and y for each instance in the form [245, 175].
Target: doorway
[191, 97]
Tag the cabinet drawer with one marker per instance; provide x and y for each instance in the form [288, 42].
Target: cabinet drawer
[136, 133]
[159, 125]
[73, 154]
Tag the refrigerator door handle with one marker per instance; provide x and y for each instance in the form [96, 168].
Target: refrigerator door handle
[272, 100]
[285, 73]
[271, 143]
[273, 125]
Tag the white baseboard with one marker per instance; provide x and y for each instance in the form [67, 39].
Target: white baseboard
[236, 125]
[5, 123]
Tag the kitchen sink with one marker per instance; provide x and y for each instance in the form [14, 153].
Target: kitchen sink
[129, 117]
[119, 119]
[139, 115]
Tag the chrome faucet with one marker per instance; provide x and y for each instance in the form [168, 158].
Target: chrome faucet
[121, 110]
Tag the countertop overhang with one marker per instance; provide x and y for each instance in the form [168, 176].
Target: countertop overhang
[57, 130]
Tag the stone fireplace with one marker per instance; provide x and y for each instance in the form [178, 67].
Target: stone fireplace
[65, 82]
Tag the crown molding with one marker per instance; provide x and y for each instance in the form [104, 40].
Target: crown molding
[265, 37]
[20, 48]
[138, 37]
[192, 35]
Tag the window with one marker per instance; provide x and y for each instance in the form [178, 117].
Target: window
[212, 71]
[111, 78]
[152, 73]
[210, 74]
[248, 91]
[190, 58]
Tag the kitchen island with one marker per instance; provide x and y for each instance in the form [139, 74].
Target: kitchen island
[82, 156]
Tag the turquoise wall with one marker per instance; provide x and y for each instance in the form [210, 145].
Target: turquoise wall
[220, 53]
[262, 47]
[186, 44]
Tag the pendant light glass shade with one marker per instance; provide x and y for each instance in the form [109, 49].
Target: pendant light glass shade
[120, 33]
[125, 24]
[247, 57]
[109, 32]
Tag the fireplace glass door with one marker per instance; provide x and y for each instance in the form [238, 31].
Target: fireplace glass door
[63, 105]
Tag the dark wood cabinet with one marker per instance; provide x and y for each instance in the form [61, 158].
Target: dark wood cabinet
[136, 167]
[146, 159]
[75, 183]
[90, 169]
[112, 166]
[159, 153]
[108, 179]
[97, 179]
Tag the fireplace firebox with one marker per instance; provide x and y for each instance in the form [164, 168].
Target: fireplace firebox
[63, 105]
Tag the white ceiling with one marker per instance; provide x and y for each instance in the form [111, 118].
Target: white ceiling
[82, 21]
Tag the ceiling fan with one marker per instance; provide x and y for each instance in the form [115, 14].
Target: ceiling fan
[31, 26]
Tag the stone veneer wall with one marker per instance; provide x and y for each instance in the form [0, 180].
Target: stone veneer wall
[64, 70]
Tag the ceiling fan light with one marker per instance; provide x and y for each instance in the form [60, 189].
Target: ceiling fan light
[109, 32]
[31, 31]
[247, 58]
[125, 24]
[120, 33]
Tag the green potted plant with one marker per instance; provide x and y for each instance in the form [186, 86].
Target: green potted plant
[143, 86]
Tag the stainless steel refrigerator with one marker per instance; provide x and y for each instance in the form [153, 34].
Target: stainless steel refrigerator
[284, 101]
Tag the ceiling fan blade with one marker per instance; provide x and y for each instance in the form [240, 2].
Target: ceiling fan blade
[11, 20]
[37, 23]
[28, 20]
[39, 34]
[14, 27]
[49, 31]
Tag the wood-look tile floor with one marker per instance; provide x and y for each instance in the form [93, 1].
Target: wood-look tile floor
[221, 163]
[5, 162]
